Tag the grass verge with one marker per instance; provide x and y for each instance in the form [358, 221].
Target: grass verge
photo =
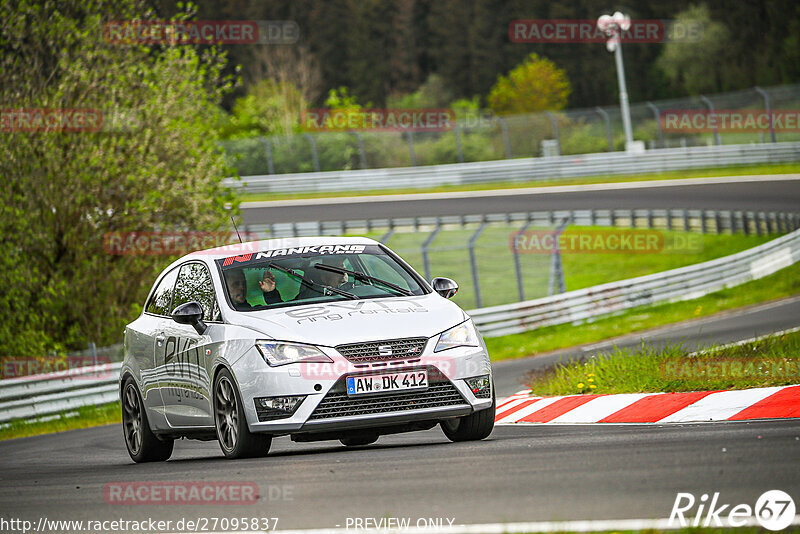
[771, 361]
[738, 170]
[784, 283]
[83, 417]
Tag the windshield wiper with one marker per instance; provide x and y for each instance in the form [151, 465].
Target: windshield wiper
[312, 283]
[363, 276]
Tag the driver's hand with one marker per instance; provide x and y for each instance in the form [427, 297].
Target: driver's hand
[267, 282]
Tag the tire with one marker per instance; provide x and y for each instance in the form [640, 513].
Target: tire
[472, 427]
[142, 444]
[235, 438]
[359, 440]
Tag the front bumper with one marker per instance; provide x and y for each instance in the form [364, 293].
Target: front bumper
[327, 407]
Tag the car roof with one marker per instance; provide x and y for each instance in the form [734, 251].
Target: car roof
[249, 247]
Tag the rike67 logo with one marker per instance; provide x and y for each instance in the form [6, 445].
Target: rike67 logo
[773, 510]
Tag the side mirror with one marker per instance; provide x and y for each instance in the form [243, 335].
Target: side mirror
[190, 313]
[445, 287]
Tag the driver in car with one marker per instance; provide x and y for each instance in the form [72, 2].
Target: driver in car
[267, 285]
[237, 289]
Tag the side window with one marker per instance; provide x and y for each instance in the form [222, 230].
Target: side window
[194, 283]
[159, 303]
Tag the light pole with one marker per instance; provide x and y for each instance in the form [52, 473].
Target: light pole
[613, 26]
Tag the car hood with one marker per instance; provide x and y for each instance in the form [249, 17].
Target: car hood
[352, 321]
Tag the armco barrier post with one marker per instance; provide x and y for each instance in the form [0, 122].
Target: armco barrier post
[607, 121]
[658, 123]
[425, 246]
[459, 149]
[517, 263]
[314, 155]
[362, 154]
[710, 107]
[556, 283]
[506, 139]
[412, 156]
[768, 111]
[474, 264]
[385, 238]
[554, 123]
[268, 151]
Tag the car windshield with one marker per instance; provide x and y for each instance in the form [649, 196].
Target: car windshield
[314, 274]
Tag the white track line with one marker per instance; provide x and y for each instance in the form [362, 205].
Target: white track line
[545, 190]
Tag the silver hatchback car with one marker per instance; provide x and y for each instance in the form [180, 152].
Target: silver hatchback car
[320, 338]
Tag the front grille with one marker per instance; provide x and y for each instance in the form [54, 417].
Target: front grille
[337, 403]
[376, 351]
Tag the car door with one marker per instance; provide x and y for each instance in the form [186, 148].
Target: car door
[142, 338]
[186, 355]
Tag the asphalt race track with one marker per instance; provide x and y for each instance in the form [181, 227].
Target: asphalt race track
[521, 473]
[777, 195]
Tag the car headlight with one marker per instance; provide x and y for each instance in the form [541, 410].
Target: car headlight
[277, 353]
[463, 335]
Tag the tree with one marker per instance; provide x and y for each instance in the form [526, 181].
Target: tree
[535, 85]
[434, 93]
[154, 164]
[269, 108]
[698, 67]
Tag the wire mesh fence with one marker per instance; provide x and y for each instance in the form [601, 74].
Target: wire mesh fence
[484, 137]
[504, 258]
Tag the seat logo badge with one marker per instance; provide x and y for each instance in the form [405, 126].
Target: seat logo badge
[385, 350]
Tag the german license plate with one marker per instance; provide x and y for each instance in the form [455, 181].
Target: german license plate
[360, 385]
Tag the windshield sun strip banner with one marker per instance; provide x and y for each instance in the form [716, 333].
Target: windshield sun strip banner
[305, 251]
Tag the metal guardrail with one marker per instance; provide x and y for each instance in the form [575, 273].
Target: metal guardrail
[43, 395]
[521, 170]
[706, 221]
[678, 284]
[40, 395]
